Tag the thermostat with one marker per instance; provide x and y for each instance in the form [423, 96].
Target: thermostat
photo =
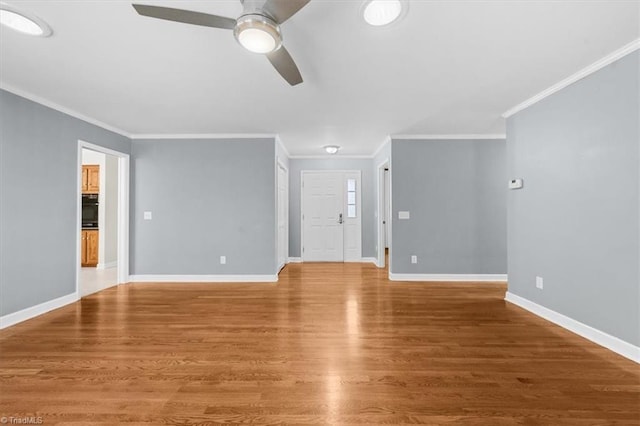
[515, 183]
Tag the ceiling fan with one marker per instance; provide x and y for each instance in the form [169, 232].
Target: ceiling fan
[257, 29]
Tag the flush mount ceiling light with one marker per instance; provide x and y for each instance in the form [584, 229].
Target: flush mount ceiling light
[258, 34]
[331, 149]
[22, 22]
[383, 12]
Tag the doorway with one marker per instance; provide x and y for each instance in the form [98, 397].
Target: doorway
[384, 213]
[103, 219]
[283, 215]
[331, 216]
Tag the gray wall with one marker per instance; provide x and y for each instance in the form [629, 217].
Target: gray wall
[455, 191]
[39, 170]
[333, 163]
[575, 222]
[208, 198]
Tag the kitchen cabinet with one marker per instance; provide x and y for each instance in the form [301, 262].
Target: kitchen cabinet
[90, 179]
[89, 251]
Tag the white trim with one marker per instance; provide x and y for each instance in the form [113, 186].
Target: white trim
[585, 72]
[284, 148]
[123, 219]
[202, 278]
[280, 165]
[450, 137]
[107, 265]
[362, 260]
[377, 151]
[380, 211]
[62, 109]
[142, 136]
[34, 311]
[331, 157]
[449, 277]
[329, 171]
[601, 338]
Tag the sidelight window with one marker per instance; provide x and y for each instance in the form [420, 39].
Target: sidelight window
[351, 198]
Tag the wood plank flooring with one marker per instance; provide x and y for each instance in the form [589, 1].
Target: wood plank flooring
[328, 344]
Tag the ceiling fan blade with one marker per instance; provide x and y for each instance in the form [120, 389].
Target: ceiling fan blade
[282, 10]
[283, 63]
[185, 16]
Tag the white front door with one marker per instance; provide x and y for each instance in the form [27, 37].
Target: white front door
[331, 220]
[322, 217]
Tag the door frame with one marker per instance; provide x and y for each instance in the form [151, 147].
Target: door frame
[280, 164]
[359, 204]
[123, 211]
[380, 261]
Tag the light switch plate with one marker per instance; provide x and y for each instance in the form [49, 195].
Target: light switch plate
[404, 215]
[148, 216]
[516, 183]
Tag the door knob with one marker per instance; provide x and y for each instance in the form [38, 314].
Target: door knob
[340, 218]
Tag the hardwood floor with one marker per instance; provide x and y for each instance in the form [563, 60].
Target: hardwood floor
[328, 344]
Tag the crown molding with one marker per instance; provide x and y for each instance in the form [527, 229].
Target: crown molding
[450, 137]
[68, 111]
[387, 140]
[284, 148]
[585, 72]
[331, 157]
[147, 136]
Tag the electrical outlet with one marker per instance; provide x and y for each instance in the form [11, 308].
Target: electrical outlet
[414, 259]
[223, 260]
[539, 283]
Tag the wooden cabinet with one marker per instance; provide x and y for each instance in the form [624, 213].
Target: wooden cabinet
[89, 252]
[90, 179]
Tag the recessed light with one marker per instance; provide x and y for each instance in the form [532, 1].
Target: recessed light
[22, 22]
[331, 149]
[383, 12]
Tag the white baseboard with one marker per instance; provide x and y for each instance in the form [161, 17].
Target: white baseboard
[32, 312]
[361, 260]
[203, 278]
[601, 338]
[449, 277]
[107, 265]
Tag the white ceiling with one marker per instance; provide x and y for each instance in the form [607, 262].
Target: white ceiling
[448, 67]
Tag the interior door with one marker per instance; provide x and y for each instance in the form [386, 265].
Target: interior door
[283, 215]
[322, 216]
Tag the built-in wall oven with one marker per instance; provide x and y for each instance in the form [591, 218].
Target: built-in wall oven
[89, 210]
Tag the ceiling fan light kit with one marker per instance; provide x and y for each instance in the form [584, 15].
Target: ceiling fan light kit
[23, 22]
[258, 33]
